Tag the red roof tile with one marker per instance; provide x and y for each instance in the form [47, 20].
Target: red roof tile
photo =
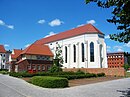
[36, 49]
[2, 49]
[16, 53]
[88, 28]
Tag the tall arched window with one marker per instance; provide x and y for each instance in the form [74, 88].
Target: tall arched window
[74, 53]
[82, 46]
[91, 52]
[65, 54]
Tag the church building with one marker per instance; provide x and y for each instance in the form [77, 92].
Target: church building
[82, 47]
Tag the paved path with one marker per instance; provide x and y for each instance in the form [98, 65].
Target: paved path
[14, 87]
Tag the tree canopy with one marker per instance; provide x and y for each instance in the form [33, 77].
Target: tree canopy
[120, 17]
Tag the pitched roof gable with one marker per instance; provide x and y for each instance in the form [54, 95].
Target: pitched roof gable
[2, 49]
[36, 49]
[16, 53]
[88, 28]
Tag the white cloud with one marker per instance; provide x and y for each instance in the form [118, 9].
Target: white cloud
[42, 21]
[10, 26]
[118, 48]
[108, 47]
[50, 34]
[127, 45]
[6, 45]
[56, 22]
[107, 37]
[2, 23]
[27, 45]
[80, 25]
[91, 22]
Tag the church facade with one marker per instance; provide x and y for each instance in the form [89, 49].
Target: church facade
[82, 47]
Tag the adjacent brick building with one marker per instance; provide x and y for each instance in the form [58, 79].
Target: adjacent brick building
[117, 60]
[34, 58]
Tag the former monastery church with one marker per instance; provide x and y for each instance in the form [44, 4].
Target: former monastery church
[82, 47]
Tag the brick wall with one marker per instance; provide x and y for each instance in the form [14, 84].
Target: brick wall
[107, 71]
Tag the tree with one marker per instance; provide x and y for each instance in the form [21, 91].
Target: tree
[126, 67]
[58, 60]
[58, 56]
[121, 17]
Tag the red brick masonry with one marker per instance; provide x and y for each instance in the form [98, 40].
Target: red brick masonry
[107, 71]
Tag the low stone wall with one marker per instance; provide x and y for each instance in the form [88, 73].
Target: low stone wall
[107, 71]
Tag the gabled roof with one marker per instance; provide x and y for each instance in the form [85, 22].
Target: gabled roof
[36, 49]
[2, 49]
[86, 29]
[16, 53]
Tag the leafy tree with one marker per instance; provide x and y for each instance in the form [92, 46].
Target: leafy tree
[126, 67]
[58, 60]
[121, 17]
[58, 56]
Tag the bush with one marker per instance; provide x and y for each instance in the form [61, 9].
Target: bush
[49, 82]
[55, 68]
[100, 74]
[4, 72]
[20, 74]
[79, 72]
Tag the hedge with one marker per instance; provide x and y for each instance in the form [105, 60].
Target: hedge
[68, 75]
[49, 82]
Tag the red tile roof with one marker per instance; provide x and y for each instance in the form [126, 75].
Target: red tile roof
[16, 53]
[36, 49]
[88, 28]
[2, 49]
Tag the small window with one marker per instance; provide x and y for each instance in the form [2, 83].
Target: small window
[29, 67]
[82, 46]
[38, 67]
[3, 60]
[65, 54]
[43, 68]
[91, 52]
[48, 67]
[74, 47]
[34, 67]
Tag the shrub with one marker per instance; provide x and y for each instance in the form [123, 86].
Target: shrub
[20, 74]
[100, 74]
[79, 72]
[55, 68]
[89, 75]
[4, 72]
[49, 82]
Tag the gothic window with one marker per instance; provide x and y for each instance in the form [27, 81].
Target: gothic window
[74, 53]
[82, 46]
[91, 52]
[65, 54]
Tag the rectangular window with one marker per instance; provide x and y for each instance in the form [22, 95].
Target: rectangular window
[38, 67]
[34, 67]
[29, 67]
[43, 68]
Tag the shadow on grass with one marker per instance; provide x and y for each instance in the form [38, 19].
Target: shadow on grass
[125, 93]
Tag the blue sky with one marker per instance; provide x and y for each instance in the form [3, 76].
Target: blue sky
[22, 22]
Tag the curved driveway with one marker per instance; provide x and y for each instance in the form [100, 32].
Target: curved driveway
[14, 87]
